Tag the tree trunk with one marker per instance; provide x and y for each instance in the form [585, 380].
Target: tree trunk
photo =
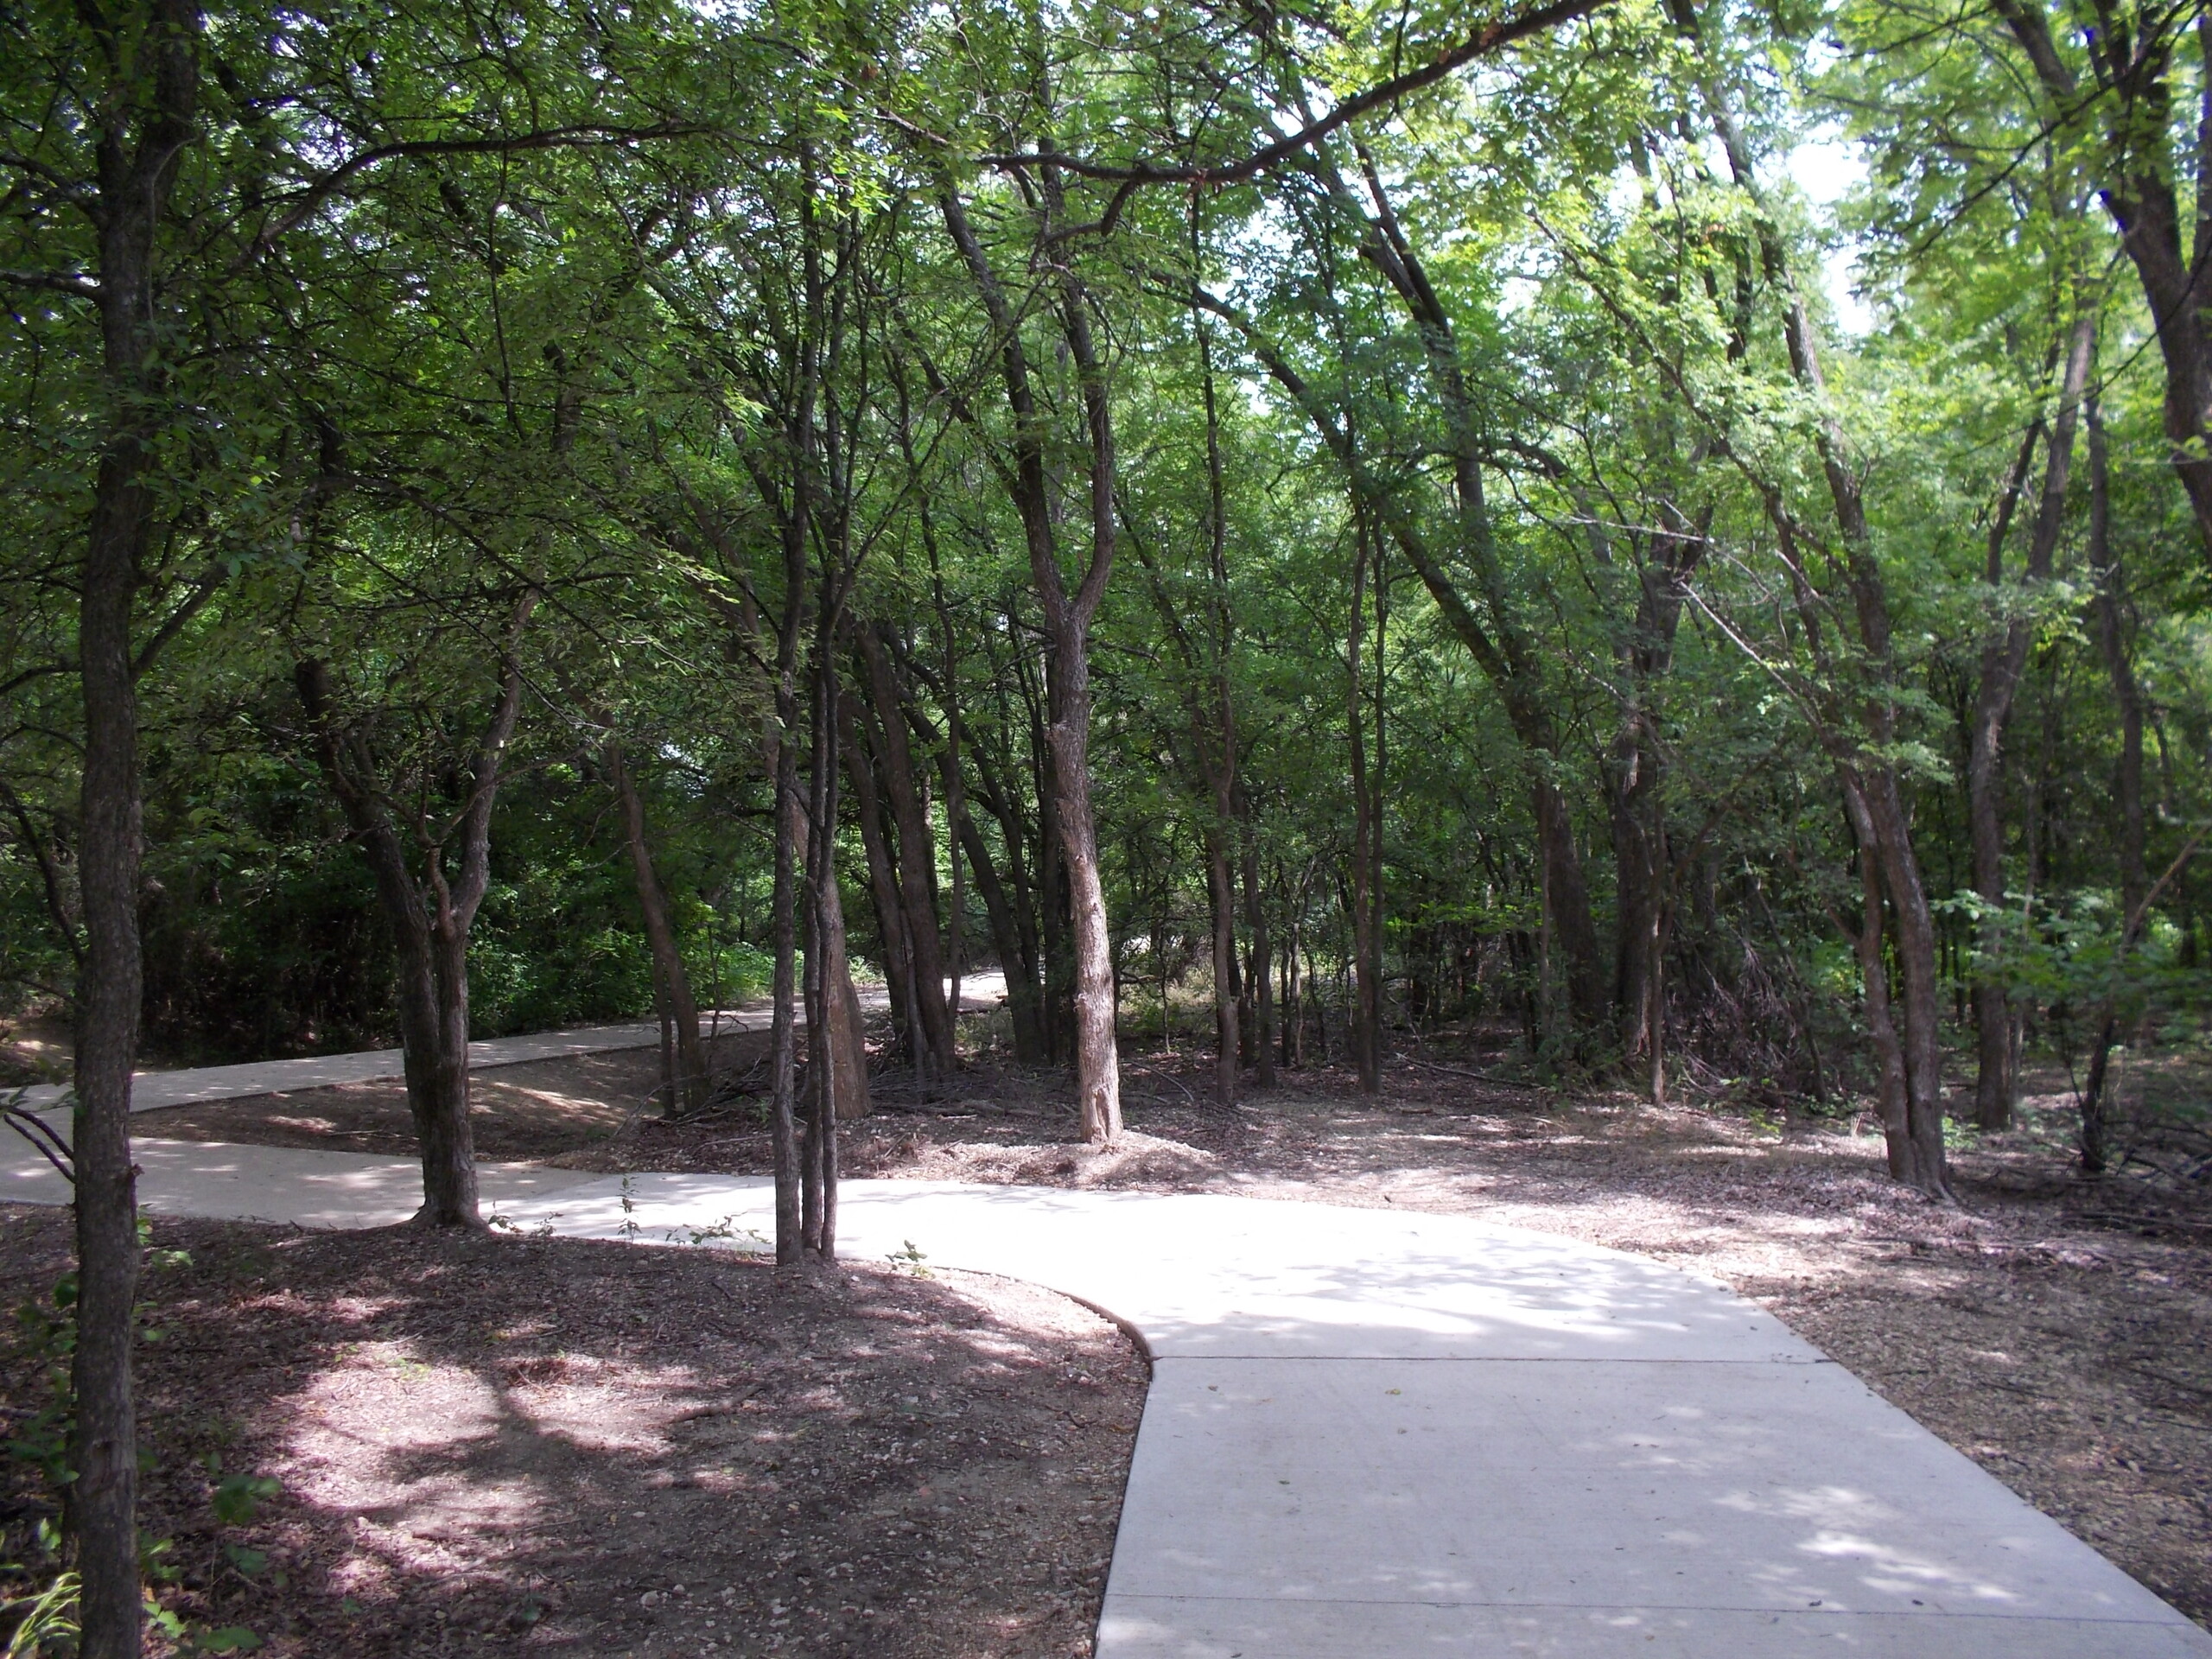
[431, 915]
[152, 105]
[825, 956]
[687, 1080]
[883, 885]
[782, 1061]
[2002, 659]
[103, 1498]
[1222, 903]
[2136, 179]
[1920, 988]
[1890, 1090]
[1260, 980]
[442, 1119]
[1097, 1061]
[1366, 903]
[916, 864]
[1067, 624]
[2113, 644]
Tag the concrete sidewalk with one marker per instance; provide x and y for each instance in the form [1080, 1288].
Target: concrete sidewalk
[151, 1090]
[1373, 1434]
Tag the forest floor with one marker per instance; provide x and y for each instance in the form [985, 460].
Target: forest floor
[495, 1444]
[2052, 1330]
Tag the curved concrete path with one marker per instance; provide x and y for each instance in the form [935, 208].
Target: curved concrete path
[1373, 1434]
[152, 1091]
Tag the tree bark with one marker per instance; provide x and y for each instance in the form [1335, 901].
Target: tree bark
[2136, 176]
[1067, 623]
[1222, 904]
[431, 915]
[2112, 602]
[687, 1081]
[2003, 657]
[152, 110]
[916, 863]
[1366, 902]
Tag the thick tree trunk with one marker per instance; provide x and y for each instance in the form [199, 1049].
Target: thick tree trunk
[825, 958]
[103, 1496]
[442, 1119]
[150, 108]
[687, 1082]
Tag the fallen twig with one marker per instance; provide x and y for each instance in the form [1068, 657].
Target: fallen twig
[1479, 1077]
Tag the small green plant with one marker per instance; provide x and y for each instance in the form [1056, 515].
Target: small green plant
[726, 1230]
[909, 1261]
[45, 1621]
[629, 1227]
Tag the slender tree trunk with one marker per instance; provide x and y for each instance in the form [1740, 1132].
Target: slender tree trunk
[2002, 659]
[916, 864]
[687, 1081]
[1890, 1091]
[431, 915]
[1098, 1080]
[1881, 798]
[1262, 978]
[890, 915]
[2113, 644]
[825, 950]
[1222, 903]
[1067, 622]
[1367, 1002]
[783, 1062]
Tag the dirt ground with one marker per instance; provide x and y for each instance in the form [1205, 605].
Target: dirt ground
[2055, 1331]
[492, 1445]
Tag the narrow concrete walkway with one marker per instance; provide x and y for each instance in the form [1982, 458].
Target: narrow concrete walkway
[1371, 1435]
[151, 1090]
